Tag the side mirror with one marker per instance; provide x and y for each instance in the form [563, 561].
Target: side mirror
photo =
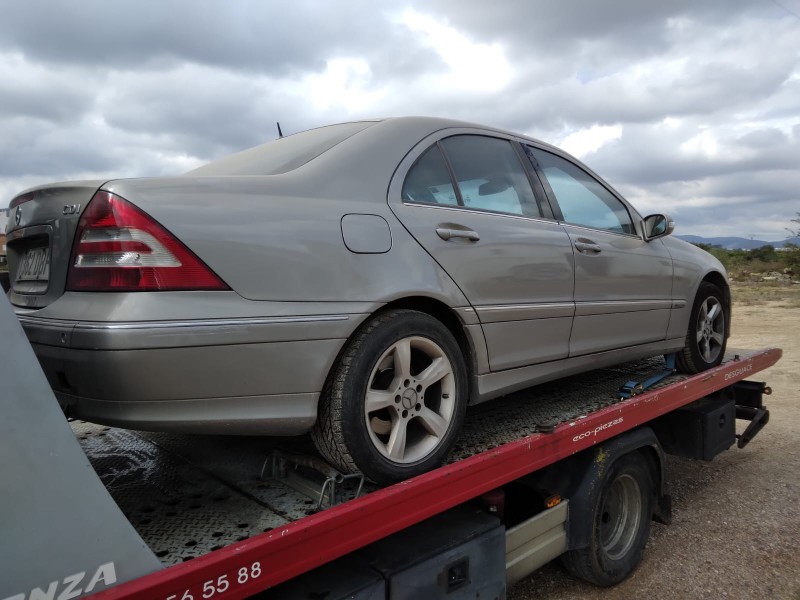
[656, 226]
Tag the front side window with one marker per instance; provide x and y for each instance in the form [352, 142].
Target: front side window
[489, 176]
[583, 200]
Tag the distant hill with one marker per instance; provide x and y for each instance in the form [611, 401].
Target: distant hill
[737, 243]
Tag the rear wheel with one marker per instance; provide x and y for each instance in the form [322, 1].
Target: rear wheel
[621, 514]
[395, 402]
[707, 335]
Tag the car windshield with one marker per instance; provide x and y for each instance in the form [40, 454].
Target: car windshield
[284, 154]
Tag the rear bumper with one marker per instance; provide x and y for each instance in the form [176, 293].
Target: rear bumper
[277, 414]
[235, 376]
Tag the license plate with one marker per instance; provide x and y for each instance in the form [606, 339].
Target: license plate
[35, 265]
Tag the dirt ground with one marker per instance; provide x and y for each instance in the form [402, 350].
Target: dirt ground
[736, 520]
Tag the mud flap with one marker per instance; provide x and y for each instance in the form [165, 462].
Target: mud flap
[61, 531]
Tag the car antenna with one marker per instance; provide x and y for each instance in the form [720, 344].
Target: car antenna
[280, 133]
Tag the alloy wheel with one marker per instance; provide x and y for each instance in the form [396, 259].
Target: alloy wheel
[710, 329]
[410, 400]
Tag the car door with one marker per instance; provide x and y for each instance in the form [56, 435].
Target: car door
[468, 200]
[623, 284]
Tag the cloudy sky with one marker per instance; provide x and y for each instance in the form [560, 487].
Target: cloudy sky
[690, 107]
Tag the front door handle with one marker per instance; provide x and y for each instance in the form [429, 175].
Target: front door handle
[588, 247]
[448, 234]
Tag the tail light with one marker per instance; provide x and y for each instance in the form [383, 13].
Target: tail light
[119, 248]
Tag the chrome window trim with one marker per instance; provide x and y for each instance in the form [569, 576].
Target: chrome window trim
[478, 210]
[587, 228]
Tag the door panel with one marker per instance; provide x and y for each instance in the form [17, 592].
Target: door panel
[515, 268]
[518, 276]
[623, 285]
[622, 293]
[520, 343]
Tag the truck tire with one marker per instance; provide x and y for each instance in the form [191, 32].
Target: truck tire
[707, 335]
[394, 403]
[622, 508]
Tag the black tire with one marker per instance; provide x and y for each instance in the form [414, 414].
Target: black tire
[706, 339]
[415, 430]
[622, 509]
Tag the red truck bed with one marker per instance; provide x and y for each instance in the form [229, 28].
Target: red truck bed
[201, 505]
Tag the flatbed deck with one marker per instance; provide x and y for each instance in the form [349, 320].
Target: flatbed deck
[201, 500]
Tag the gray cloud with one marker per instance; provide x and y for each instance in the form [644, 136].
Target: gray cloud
[704, 94]
[274, 37]
[650, 155]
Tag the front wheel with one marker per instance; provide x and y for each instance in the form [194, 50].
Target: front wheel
[394, 403]
[622, 508]
[707, 335]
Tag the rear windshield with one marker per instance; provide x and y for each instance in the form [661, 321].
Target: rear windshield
[284, 154]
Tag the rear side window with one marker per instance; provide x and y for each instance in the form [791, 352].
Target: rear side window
[284, 154]
[488, 173]
[583, 200]
[429, 180]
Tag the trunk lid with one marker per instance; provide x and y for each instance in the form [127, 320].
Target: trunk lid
[39, 235]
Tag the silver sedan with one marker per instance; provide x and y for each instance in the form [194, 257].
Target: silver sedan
[364, 282]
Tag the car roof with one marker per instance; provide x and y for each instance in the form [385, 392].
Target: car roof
[438, 123]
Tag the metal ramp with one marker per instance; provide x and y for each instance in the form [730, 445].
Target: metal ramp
[60, 527]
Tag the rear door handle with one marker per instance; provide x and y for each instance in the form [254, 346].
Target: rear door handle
[588, 247]
[447, 234]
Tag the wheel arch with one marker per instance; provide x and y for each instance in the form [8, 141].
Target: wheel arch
[473, 356]
[718, 279]
[590, 547]
[577, 477]
[449, 318]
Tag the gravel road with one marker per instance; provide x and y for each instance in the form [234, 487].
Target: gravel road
[736, 520]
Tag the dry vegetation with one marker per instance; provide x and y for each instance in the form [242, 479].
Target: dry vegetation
[770, 293]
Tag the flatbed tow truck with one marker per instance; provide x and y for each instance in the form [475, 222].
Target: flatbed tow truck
[572, 468]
